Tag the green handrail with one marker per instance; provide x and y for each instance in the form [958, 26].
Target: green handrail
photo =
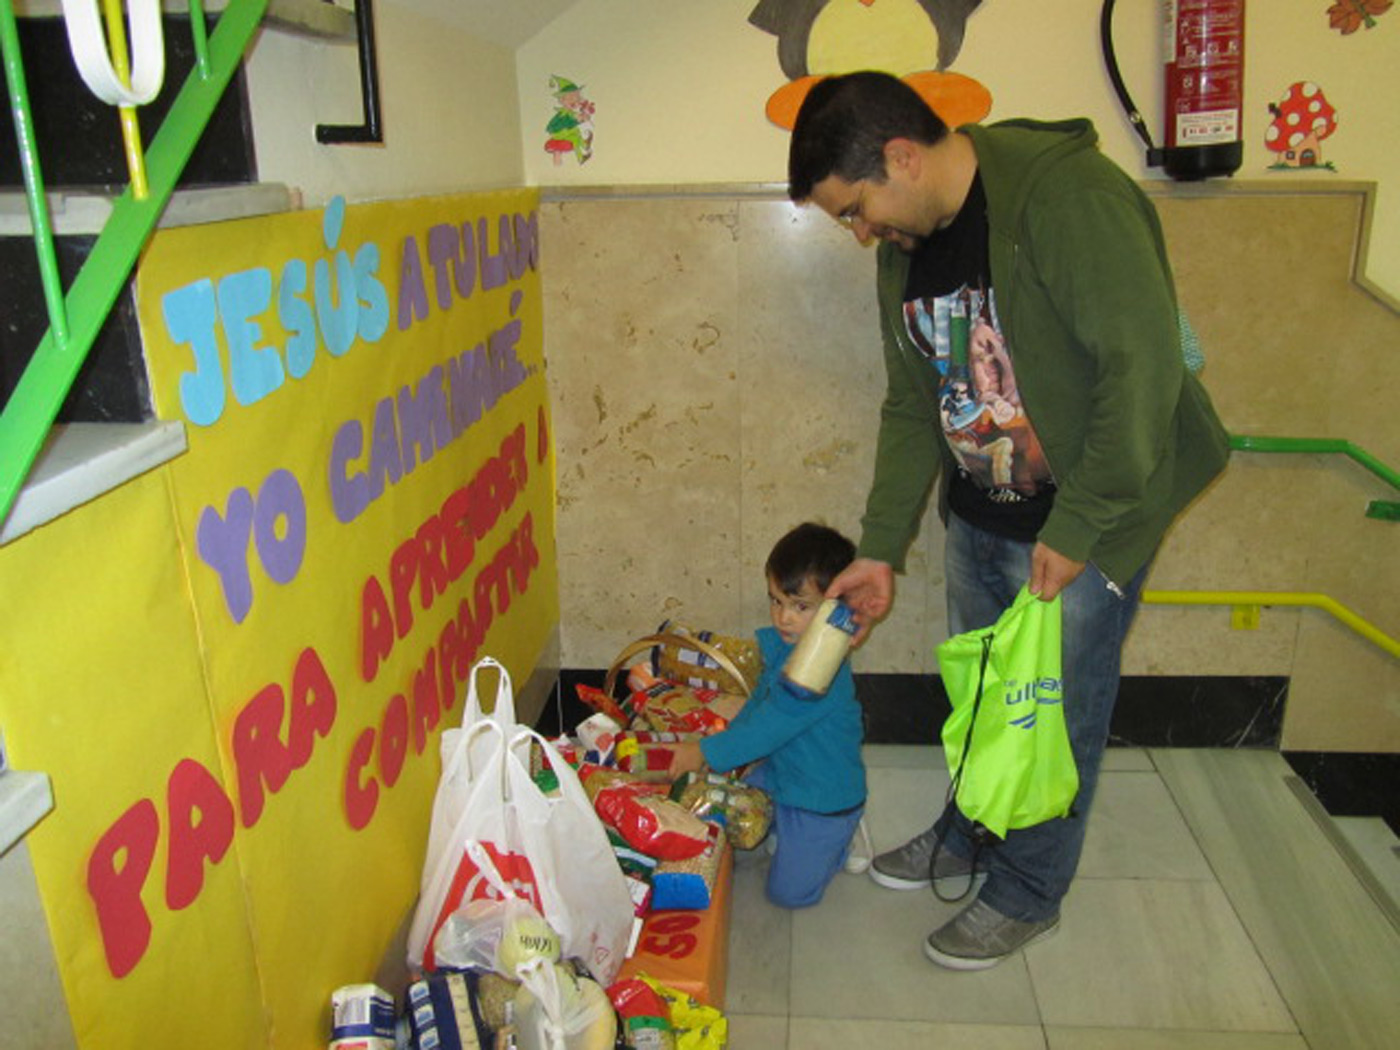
[1386, 510]
[33, 176]
[37, 398]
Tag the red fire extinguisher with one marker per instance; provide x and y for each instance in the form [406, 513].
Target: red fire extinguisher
[1204, 69]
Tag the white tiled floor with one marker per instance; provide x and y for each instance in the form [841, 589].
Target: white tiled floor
[1211, 912]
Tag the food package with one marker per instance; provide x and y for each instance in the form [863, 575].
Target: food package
[744, 811]
[688, 885]
[596, 700]
[637, 869]
[697, 1026]
[598, 733]
[453, 1008]
[570, 751]
[646, 1018]
[595, 779]
[668, 707]
[648, 820]
[676, 661]
[647, 754]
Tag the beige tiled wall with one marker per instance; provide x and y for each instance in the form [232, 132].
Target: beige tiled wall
[714, 364]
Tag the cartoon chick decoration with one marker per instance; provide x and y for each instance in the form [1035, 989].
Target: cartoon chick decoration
[913, 39]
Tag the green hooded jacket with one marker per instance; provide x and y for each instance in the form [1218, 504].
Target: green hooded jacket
[1088, 308]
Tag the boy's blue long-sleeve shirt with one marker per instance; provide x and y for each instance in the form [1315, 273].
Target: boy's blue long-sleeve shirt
[812, 747]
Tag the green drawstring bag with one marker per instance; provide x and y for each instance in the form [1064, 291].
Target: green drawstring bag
[1006, 740]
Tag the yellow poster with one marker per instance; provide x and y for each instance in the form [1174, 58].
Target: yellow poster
[365, 509]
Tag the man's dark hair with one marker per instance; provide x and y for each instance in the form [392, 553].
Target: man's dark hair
[844, 124]
[809, 552]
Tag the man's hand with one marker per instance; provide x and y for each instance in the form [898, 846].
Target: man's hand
[1051, 572]
[867, 586]
[686, 758]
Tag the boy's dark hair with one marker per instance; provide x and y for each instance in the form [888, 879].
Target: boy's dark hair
[843, 126]
[809, 552]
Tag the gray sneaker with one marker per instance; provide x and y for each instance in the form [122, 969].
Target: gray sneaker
[906, 868]
[979, 937]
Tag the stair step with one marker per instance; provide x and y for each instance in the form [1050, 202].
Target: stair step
[1377, 848]
[318, 18]
[78, 212]
[111, 386]
[82, 461]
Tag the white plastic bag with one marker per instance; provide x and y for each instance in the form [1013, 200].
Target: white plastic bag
[494, 933]
[457, 760]
[554, 1010]
[551, 850]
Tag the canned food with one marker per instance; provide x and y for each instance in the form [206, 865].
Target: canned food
[817, 656]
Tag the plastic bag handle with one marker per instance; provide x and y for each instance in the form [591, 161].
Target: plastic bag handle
[569, 785]
[461, 753]
[503, 711]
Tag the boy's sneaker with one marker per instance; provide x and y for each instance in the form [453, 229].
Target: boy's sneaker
[979, 937]
[907, 868]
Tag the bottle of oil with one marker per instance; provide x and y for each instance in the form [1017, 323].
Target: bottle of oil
[817, 656]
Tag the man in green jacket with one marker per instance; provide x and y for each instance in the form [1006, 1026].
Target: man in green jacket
[1035, 369]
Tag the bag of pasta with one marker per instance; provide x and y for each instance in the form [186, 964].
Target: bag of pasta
[744, 811]
[666, 707]
[686, 655]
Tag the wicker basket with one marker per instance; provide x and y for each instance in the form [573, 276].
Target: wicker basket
[720, 672]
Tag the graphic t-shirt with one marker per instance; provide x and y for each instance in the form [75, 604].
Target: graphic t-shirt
[1003, 482]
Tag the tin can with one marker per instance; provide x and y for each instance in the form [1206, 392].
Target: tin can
[817, 656]
[362, 1018]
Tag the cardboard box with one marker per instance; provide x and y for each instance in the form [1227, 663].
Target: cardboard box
[689, 950]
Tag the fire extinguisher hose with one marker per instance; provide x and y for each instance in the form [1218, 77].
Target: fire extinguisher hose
[1111, 64]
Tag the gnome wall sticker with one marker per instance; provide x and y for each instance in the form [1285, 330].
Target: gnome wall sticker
[570, 129]
[916, 40]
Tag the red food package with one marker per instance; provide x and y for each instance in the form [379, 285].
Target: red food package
[651, 822]
[595, 778]
[645, 1016]
[597, 700]
[668, 707]
[645, 756]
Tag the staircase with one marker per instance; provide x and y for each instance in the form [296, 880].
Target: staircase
[70, 354]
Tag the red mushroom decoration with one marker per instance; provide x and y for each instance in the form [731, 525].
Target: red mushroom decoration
[1301, 121]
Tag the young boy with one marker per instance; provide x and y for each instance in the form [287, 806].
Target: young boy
[810, 747]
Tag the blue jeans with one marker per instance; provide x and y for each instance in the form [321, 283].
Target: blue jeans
[1030, 871]
[811, 849]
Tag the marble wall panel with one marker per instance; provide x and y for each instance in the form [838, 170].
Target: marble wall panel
[640, 311]
[1295, 348]
[813, 377]
[714, 360]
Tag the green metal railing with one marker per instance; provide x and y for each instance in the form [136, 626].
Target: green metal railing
[1386, 510]
[75, 319]
[1246, 604]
